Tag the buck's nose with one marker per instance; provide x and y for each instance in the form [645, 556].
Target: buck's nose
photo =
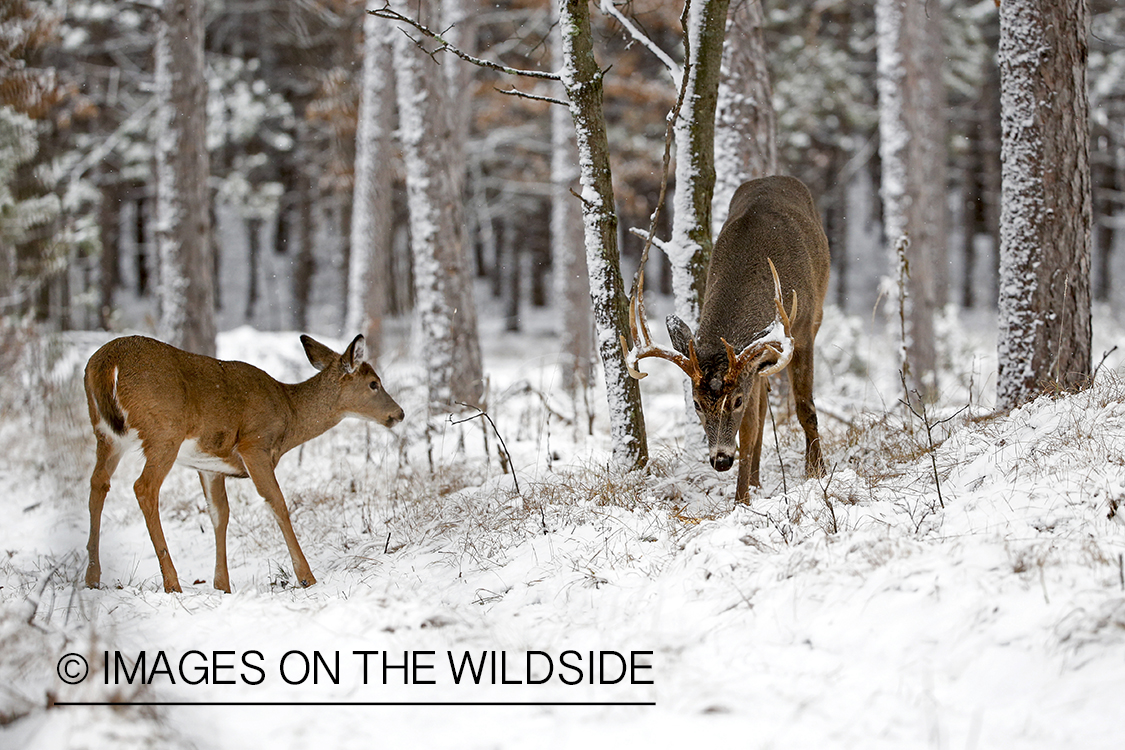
[722, 461]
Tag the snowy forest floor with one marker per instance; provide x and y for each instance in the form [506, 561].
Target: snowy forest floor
[861, 610]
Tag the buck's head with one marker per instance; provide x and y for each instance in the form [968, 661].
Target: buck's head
[358, 390]
[724, 385]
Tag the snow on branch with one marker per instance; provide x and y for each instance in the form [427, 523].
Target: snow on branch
[513, 91]
[390, 14]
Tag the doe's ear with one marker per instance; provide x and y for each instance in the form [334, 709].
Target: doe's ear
[680, 334]
[320, 356]
[354, 354]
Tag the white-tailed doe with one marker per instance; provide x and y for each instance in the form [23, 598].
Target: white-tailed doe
[771, 244]
[223, 419]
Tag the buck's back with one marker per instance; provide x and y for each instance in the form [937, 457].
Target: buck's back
[775, 218]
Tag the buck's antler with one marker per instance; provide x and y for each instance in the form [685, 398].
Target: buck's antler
[642, 339]
[770, 341]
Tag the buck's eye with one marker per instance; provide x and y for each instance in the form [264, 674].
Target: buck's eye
[698, 406]
[738, 402]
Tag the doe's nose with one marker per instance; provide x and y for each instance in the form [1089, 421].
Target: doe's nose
[722, 461]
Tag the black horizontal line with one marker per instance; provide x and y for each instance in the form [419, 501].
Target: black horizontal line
[356, 703]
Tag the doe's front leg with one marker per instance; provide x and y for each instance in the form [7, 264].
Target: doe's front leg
[260, 467]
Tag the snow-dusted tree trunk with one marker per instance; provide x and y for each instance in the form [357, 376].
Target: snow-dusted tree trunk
[459, 24]
[582, 78]
[1045, 220]
[572, 282]
[913, 187]
[187, 294]
[690, 249]
[745, 121]
[372, 212]
[444, 302]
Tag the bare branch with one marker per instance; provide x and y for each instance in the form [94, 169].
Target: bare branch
[534, 97]
[645, 235]
[638, 282]
[673, 70]
[390, 14]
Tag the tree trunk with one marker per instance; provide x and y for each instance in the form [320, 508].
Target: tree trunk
[109, 218]
[304, 264]
[913, 194]
[745, 121]
[695, 157]
[1044, 313]
[572, 282]
[372, 213]
[442, 284]
[510, 262]
[253, 257]
[187, 295]
[582, 78]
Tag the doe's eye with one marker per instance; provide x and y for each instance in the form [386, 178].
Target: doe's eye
[374, 385]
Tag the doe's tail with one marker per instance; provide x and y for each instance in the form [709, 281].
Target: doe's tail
[101, 389]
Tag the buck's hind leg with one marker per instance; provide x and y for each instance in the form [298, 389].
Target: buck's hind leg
[801, 378]
[108, 456]
[215, 488]
[158, 462]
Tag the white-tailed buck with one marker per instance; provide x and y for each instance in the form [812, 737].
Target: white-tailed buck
[772, 245]
[223, 419]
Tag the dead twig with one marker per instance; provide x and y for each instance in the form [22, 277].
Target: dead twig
[507, 457]
[390, 14]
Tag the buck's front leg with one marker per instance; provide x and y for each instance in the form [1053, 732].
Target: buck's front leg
[260, 467]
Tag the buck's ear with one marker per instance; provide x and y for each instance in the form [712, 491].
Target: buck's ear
[354, 354]
[680, 334]
[319, 355]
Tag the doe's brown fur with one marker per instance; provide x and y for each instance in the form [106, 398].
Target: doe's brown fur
[221, 419]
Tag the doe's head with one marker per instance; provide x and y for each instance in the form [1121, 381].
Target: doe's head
[361, 393]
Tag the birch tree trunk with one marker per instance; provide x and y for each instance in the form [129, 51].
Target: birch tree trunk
[442, 284]
[745, 121]
[572, 282]
[372, 212]
[187, 294]
[582, 78]
[1045, 224]
[913, 192]
[690, 249]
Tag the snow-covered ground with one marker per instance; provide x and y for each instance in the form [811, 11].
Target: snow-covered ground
[863, 610]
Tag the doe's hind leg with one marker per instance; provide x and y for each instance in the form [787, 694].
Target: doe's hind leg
[108, 456]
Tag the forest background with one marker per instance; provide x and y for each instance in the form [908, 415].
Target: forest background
[284, 81]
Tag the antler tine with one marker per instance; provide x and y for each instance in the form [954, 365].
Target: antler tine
[639, 309]
[756, 348]
[786, 319]
[642, 338]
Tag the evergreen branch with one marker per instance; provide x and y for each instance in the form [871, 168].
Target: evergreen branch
[390, 14]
